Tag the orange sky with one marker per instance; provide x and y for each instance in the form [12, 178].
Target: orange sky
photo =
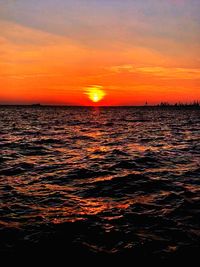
[135, 53]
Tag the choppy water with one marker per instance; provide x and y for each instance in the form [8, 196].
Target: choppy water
[117, 181]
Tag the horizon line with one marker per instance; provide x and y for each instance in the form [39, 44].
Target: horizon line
[196, 104]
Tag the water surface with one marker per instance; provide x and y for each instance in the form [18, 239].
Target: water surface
[105, 181]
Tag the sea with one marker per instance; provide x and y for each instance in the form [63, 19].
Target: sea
[106, 182]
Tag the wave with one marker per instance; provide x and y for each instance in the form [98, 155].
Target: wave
[102, 184]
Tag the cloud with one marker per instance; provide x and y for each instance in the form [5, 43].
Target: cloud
[99, 24]
[26, 36]
[173, 73]
[36, 75]
[162, 72]
[122, 68]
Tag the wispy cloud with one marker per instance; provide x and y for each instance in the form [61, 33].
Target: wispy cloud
[100, 23]
[36, 75]
[162, 72]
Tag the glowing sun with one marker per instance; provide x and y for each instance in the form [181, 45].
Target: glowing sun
[95, 93]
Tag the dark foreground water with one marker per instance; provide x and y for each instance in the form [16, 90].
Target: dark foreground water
[106, 182]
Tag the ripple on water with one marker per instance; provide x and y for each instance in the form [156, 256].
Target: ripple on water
[104, 184]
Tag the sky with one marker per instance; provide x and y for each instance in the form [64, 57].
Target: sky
[52, 51]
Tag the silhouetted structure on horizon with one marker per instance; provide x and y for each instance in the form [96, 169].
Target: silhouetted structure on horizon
[179, 104]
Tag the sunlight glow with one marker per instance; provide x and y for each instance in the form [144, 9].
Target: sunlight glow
[95, 93]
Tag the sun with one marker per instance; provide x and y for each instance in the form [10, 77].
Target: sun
[95, 93]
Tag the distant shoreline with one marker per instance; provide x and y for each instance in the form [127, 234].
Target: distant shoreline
[77, 106]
